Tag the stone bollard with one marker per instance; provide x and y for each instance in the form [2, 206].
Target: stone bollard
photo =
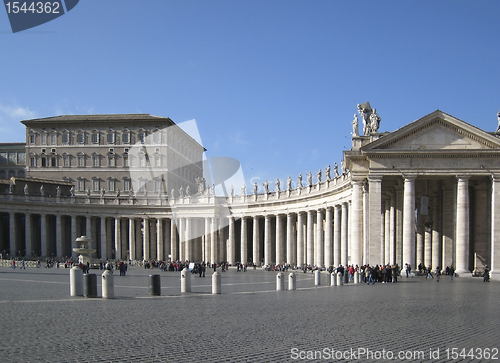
[108, 285]
[185, 280]
[317, 277]
[333, 279]
[216, 283]
[356, 277]
[280, 281]
[89, 285]
[154, 285]
[292, 278]
[76, 281]
[346, 277]
[340, 279]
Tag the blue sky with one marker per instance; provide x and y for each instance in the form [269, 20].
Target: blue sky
[273, 84]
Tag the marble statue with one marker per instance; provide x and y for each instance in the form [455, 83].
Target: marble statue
[102, 192]
[266, 187]
[88, 193]
[355, 131]
[498, 127]
[42, 190]
[327, 173]
[299, 181]
[231, 189]
[172, 193]
[374, 121]
[188, 191]
[72, 191]
[336, 169]
[58, 191]
[365, 111]
[181, 192]
[117, 193]
[255, 188]
[309, 179]
[277, 184]
[26, 191]
[11, 188]
[244, 189]
[342, 165]
[200, 182]
[289, 183]
[318, 176]
[213, 190]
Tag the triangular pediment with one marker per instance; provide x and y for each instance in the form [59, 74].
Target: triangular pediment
[436, 131]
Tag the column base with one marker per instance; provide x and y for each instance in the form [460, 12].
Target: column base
[463, 273]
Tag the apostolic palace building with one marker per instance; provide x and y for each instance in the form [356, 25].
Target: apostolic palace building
[426, 193]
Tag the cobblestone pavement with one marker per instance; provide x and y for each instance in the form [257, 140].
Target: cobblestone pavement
[248, 322]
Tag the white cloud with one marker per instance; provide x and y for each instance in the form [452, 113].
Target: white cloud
[10, 113]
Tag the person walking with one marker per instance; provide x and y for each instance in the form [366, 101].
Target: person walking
[429, 273]
[452, 272]
[438, 273]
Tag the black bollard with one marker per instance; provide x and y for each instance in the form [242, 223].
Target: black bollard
[154, 285]
[90, 285]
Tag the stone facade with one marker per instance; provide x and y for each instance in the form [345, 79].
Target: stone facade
[427, 193]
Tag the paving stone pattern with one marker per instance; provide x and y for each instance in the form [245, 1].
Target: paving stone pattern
[248, 322]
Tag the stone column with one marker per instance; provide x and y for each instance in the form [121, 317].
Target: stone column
[280, 256]
[256, 242]
[160, 246]
[43, 235]
[392, 230]
[208, 234]
[267, 240]
[88, 227]
[145, 240]
[310, 238]
[337, 226]
[375, 220]
[118, 239]
[244, 240]
[495, 227]
[328, 236]
[104, 248]
[174, 251]
[428, 244]
[436, 230]
[462, 236]
[74, 235]
[366, 223]
[290, 240]
[319, 248]
[188, 243]
[343, 235]
[214, 246]
[420, 240]
[300, 239]
[27, 232]
[231, 258]
[59, 236]
[409, 222]
[131, 239]
[357, 222]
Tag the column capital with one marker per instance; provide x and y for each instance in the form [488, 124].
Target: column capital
[462, 177]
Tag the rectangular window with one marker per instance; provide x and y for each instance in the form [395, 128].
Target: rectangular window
[33, 162]
[126, 185]
[65, 138]
[125, 161]
[32, 139]
[44, 139]
[81, 185]
[53, 161]
[66, 161]
[81, 160]
[142, 185]
[80, 138]
[126, 137]
[112, 185]
[96, 185]
[96, 161]
[111, 138]
[111, 161]
[44, 161]
[95, 138]
[53, 138]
